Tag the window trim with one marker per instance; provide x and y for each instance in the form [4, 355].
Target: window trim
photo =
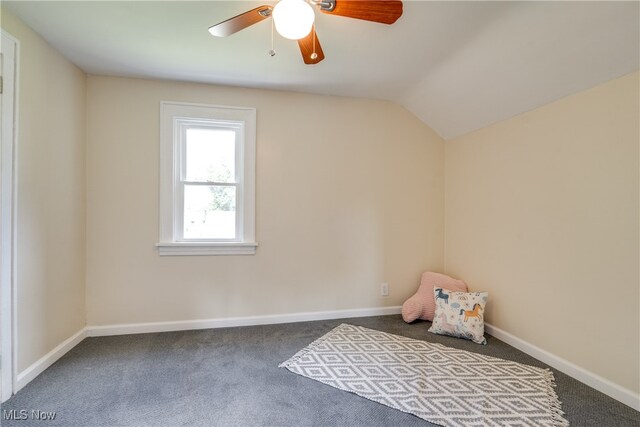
[171, 239]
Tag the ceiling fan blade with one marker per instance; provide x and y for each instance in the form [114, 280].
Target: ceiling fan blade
[306, 48]
[240, 22]
[383, 11]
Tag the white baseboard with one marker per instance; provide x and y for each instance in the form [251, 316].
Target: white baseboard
[49, 359]
[603, 385]
[142, 328]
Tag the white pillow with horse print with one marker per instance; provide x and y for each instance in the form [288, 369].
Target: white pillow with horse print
[460, 314]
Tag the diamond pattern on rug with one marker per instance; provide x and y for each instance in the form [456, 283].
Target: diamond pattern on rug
[442, 385]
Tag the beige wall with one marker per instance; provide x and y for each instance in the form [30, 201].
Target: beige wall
[349, 195]
[50, 239]
[542, 211]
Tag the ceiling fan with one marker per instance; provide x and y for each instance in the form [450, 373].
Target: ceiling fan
[293, 19]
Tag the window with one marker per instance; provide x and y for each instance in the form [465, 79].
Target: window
[207, 180]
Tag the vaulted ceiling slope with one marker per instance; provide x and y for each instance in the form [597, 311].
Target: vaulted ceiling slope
[458, 66]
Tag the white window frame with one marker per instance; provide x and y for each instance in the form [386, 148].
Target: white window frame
[175, 118]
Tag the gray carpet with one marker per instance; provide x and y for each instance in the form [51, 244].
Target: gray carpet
[230, 377]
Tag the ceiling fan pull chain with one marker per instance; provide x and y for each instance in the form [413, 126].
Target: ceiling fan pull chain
[314, 55]
[272, 52]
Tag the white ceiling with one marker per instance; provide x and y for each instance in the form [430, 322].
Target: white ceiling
[458, 66]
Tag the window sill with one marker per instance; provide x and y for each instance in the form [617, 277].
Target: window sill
[196, 248]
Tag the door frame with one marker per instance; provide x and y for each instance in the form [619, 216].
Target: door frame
[9, 49]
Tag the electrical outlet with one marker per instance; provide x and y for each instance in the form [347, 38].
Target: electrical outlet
[384, 289]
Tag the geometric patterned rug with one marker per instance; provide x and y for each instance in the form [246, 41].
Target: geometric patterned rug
[442, 385]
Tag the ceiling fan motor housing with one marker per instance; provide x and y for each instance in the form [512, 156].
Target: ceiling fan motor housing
[327, 5]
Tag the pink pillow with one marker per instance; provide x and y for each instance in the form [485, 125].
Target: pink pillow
[422, 305]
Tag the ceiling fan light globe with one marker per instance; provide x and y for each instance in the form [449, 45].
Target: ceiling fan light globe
[293, 18]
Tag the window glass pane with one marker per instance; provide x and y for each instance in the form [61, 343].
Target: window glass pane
[211, 155]
[209, 212]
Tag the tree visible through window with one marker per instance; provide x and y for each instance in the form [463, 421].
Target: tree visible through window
[211, 184]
